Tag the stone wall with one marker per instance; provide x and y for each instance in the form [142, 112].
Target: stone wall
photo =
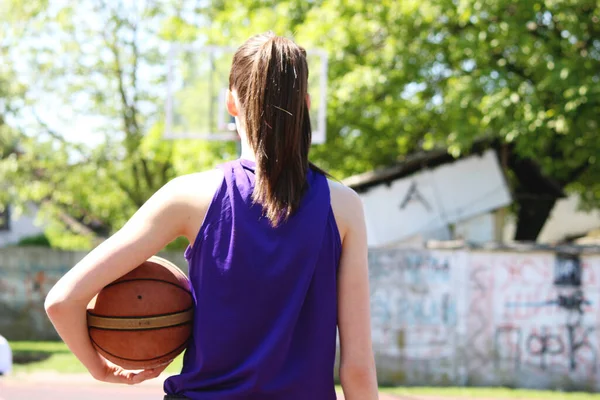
[521, 316]
[26, 276]
[515, 317]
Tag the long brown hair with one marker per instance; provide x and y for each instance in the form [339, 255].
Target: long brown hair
[270, 75]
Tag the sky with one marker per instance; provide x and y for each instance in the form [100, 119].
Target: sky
[47, 98]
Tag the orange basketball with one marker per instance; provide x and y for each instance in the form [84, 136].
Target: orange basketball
[143, 319]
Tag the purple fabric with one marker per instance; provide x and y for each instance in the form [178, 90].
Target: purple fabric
[266, 298]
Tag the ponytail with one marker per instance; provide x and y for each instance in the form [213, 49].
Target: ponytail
[273, 98]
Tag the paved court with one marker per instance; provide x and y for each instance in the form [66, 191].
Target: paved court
[45, 391]
[23, 391]
[82, 388]
[54, 386]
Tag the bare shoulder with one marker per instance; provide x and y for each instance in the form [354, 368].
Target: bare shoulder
[197, 184]
[194, 193]
[347, 206]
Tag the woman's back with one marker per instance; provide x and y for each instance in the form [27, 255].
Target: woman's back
[266, 299]
[272, 269]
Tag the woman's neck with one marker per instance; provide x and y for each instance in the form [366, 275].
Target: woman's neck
[247, 152]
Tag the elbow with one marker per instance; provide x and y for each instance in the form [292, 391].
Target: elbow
[59, 303]
[363, 375]
[53, 305]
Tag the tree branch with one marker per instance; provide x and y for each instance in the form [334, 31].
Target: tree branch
[136, 180]
[147, 174]
[164, 170]
[134, 65]
[129, 111]
[133, 196]
[69, 221]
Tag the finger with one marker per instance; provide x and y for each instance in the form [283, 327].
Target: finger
[128, 377]
[142, 376]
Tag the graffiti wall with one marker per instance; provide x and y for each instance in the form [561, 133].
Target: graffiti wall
[533, 319]
[526, 317]
[523, 316]
[26, 277]
[416, 311]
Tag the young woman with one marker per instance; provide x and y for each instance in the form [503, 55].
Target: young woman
[277, 256]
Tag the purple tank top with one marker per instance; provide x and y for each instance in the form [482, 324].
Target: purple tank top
[266, 298]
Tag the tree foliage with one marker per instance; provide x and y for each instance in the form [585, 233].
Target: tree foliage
[412, 75]
[403, 76]
[102, 62]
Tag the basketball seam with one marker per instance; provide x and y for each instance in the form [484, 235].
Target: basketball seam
[140, 317]
[140, 329]
[184, 344]
[147, 279]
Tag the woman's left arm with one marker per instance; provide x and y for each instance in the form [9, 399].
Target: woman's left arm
[160, 220]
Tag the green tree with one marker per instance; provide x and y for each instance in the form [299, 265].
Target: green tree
[403, 76]
[412, 75]
[103, 61]
[10, 93]
[528, 75]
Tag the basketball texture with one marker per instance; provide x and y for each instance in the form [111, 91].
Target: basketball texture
[143, 319]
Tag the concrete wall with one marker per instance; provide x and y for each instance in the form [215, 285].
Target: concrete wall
[26, 276]
[480, 317]
[527, 331]
[415, 307]
[439, 316]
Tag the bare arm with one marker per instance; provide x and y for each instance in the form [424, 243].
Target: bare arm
[357, 363]
[164, 217]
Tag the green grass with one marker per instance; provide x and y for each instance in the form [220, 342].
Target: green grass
[55, 356]
[490, 393]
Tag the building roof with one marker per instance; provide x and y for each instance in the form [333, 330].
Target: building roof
[407, 166]
[526, 169]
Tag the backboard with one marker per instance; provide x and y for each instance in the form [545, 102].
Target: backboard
[197, 83]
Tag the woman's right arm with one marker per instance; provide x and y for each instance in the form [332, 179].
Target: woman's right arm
[357, 362]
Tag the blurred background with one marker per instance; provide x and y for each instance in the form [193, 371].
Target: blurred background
[469, 128]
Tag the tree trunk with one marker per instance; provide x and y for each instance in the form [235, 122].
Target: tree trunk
[531, 216]
[535, 195]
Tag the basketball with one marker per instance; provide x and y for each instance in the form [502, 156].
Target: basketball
[143, 319]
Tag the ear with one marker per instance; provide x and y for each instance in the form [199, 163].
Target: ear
[308, 100]
[232, 108]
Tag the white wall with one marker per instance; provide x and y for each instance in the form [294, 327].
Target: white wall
[20, 227]
[567, 220]
[474, 317]
[441, 196]
[479, 229]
